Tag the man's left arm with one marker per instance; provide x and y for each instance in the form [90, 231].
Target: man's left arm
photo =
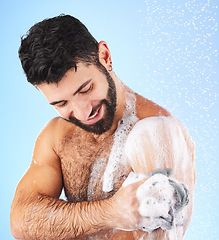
[159, 143]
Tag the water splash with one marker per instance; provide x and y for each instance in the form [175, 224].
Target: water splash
[180, 54]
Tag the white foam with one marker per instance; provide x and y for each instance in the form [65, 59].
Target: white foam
[157, 139]
[154, 142]
[162, 142]
[157, 202]
[117, 155]
[157, 194]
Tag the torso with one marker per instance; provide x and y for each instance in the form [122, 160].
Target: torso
[84, 161]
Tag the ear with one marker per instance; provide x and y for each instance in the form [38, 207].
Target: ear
[104, 55]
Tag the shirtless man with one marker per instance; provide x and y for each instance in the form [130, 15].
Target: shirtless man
[82, 151]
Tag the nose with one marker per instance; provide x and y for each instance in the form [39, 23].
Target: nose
[80, 110]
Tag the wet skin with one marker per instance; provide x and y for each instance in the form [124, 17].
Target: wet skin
[65, 155]
[82, 154]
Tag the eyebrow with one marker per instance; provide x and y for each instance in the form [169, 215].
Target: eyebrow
[82, 86]
[56, 102]
[77, 91]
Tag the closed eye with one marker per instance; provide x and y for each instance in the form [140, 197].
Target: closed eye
[86, 89]
[63, 104]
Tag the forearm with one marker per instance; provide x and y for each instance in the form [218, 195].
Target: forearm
[50, 218]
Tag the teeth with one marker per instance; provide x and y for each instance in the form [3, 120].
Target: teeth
[94, 115]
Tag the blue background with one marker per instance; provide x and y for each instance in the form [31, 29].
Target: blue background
[165, 50]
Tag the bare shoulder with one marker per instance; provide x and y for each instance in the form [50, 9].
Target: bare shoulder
[55, 128]
[48, 140]
[48, 133]
[147, 108]
[54, 124]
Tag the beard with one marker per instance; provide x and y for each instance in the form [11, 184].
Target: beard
[104, 124]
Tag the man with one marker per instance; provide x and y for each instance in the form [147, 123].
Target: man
[82, 151]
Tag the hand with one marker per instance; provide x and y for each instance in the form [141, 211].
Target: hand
[148, 205]
[125, 205]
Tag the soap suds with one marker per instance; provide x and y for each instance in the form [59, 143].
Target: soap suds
[162, 142]
[161, 200]
[155, 140]
[148, 144]
[117, 156]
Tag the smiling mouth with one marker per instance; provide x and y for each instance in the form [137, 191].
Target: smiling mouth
[94, 114]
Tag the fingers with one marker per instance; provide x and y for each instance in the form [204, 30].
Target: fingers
[133, 178]
[126, 205]
[136, 185]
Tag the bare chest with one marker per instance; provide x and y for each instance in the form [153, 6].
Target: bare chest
[84, 164]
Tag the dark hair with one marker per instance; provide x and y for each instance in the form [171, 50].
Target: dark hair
[54, 46]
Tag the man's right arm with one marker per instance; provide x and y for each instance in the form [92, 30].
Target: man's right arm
[38, 213]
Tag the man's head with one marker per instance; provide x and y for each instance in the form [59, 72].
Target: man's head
[55, 45]
[67, 64]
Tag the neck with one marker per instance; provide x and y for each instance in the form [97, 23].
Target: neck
[121, 90]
